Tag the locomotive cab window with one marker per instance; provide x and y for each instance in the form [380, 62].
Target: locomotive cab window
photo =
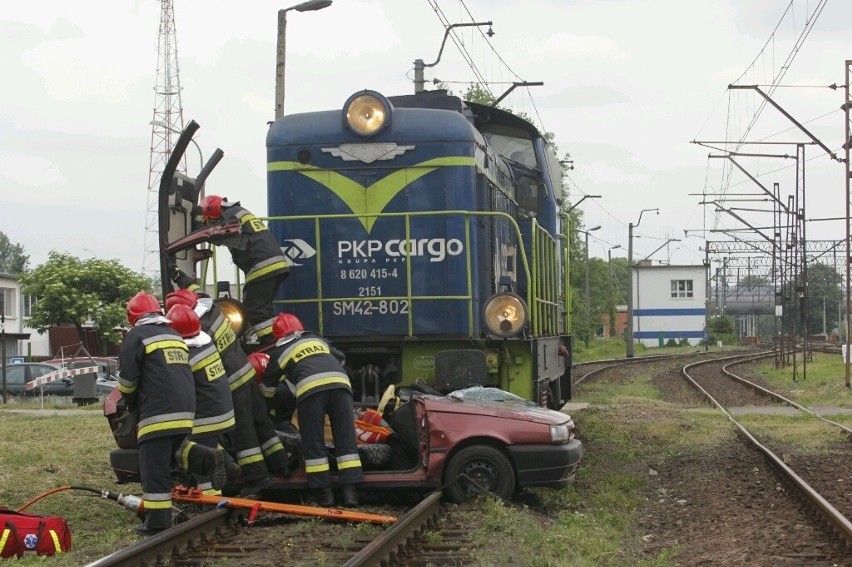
[527, 193]
[513, 144]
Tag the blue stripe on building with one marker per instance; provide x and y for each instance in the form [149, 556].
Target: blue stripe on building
[668, 312]
[669, 334]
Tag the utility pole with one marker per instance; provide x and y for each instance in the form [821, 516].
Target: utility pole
[631, 226]
[846, 147]
[3, 350]
[419, 66]
[611, 305]
[588, 298]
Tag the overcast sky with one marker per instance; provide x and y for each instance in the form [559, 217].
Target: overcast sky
[628, 84]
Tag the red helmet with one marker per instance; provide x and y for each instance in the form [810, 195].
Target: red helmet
[286, 324]
[140, 304]
[184, 321]
[181, 297]
[211, 207]
[259, 361]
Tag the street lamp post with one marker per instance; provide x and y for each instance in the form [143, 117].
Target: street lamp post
[611, 302]
[308, 6]
[588, 299]
[631, 226]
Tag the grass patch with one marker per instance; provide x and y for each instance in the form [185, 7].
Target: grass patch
[802, 432]
[605, 391]
[41, 453]
[824, 384]
[602, 349]
[591, 522]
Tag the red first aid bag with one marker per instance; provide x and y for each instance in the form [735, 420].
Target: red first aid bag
[29, 533]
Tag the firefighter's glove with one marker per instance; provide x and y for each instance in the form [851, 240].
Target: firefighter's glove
[126, 424]
[181, 279]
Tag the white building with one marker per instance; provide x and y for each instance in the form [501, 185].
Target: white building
[19, 339]
[669, 302]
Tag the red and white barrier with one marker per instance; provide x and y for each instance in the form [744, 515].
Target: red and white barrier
[59, 375]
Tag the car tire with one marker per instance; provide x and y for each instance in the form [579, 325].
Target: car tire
[374, 455]
[477, 468]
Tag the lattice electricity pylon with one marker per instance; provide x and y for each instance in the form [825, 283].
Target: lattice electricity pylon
[166, 126]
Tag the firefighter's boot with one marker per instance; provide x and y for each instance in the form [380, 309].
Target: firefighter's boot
[322, 498]
[204, 461]
[155, 522]
[350, 495]
[252, 488]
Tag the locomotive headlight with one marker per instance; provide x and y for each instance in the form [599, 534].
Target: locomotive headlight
[505, 314]
[367, 113]
[232, 311]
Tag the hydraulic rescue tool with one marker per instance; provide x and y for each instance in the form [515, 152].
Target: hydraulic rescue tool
[194, 496]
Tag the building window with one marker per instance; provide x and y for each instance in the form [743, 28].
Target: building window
[7, 307]
[27, 305]
[681, 289]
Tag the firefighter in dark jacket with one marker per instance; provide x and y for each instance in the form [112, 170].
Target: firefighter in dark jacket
[258, 255]
[214, 409]
[280, 401]
[317, 378]
[255, 443]
[156, 383]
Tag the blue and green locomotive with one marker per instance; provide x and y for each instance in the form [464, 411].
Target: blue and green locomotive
[426, 241]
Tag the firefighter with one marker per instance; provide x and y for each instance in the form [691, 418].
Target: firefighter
[256, 445]
[156, 383]
[258, 255]
[281, 406]
[314, 372]
[214, 409]
[280, 401]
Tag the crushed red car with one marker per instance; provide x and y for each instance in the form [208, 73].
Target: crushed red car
[466, 445]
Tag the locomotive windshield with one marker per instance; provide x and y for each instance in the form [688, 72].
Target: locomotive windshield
[513, 143]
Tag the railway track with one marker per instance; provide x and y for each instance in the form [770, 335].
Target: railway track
[428, 533]
[728, 391]
[586, 370]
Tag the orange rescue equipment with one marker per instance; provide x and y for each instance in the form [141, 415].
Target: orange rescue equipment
[370, 427]
[194, 496]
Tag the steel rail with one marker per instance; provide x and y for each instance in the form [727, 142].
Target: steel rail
[840, 523]
[779, 397]
[380, 550]
[155, 549]
[616, 362]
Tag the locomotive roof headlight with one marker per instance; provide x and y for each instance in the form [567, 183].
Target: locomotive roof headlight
[505, 314]
[367, 113]
[232, 311]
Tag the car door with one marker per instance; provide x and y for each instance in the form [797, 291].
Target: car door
[15, 379]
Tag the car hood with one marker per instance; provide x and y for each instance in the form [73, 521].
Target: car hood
[506, 410]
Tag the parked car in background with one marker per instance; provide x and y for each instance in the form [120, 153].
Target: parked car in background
[18, 375]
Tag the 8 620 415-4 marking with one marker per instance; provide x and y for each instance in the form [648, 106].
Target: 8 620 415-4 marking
[372, 273]
[371, 307]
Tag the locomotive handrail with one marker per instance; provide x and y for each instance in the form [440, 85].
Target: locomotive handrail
[542, 293]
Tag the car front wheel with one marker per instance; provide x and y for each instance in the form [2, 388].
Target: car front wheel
[477, 469]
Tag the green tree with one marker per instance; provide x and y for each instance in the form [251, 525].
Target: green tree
[477, 93]
[70, 290]
[823, 292]
[722, 329]
[12, 258]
